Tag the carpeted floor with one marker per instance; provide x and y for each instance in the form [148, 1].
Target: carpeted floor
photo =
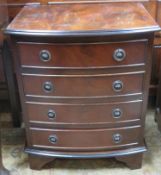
[17, 162]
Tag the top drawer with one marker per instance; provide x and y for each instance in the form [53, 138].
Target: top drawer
[89, 55]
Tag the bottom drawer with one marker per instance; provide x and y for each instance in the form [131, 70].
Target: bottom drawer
[89, 139]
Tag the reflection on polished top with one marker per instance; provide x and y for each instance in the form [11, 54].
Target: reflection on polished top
[83, 18]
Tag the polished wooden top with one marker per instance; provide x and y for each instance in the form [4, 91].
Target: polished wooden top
[88, 18]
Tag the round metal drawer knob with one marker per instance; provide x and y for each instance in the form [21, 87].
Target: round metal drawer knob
[117, 138]
[119, 55]
[48, 86]
[53, 139]
[51, 114]
[45, 55]
[117, 113]
[117, 85]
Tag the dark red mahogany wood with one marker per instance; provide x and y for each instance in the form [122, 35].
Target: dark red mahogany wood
[86, 55]
[83, 72]
[74, 19]
[152, 6]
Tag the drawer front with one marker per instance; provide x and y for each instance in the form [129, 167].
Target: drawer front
[84, 86]
[85, 139]
[82, 55]
[83, 113]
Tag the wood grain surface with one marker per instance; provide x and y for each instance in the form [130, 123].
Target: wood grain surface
[83, 17]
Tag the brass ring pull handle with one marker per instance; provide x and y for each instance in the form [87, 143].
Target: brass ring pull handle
[53, 139]
[117, 85]
[48, 86]
[117, 138]
[119, 55]
[117, 113]
[51, 114]
[45, 55]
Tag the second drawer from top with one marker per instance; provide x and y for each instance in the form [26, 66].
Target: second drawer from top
[83, 85]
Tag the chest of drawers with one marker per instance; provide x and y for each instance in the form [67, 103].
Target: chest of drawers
[83, 72]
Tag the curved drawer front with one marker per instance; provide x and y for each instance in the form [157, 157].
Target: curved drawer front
[85, 86]
[82, 55]
[85, 139]
[101, 113]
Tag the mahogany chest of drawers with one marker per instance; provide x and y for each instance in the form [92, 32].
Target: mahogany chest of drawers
[83, 72]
